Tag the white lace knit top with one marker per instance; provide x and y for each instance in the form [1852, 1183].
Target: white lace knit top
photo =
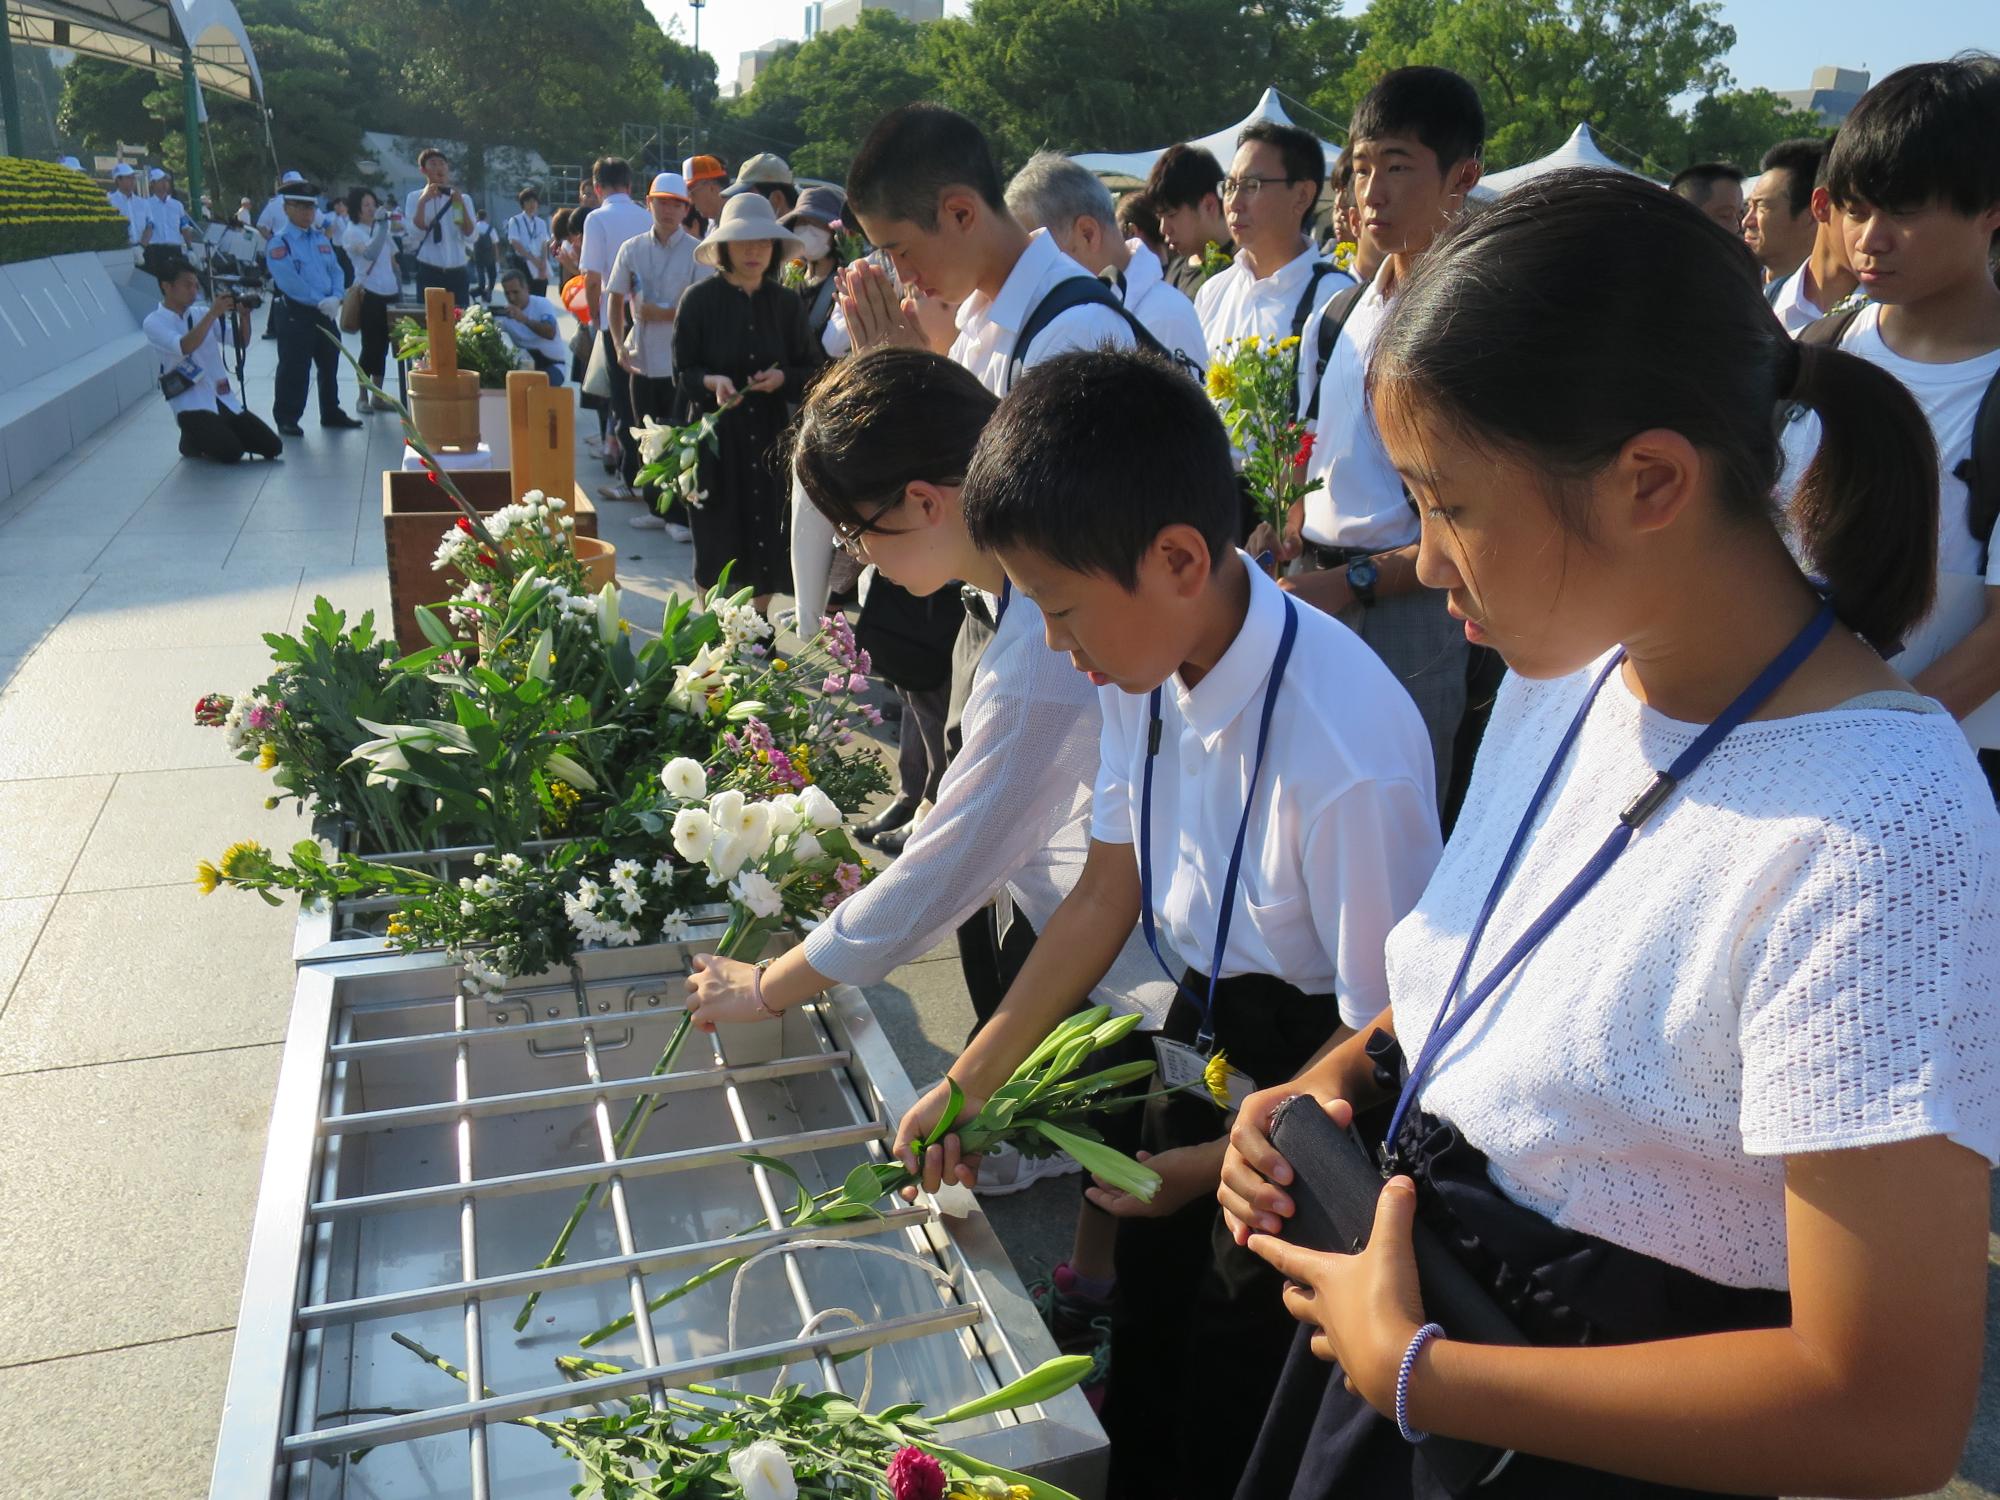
[1799, 952]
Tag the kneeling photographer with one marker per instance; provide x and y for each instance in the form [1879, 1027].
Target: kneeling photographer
[193, 374]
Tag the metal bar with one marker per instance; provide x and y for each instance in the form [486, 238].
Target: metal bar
[578, 1093]
[761, 1178]
[468, 1251]
[537, 1030]
[573, 1394]
[571, 1273]
[558, 1177]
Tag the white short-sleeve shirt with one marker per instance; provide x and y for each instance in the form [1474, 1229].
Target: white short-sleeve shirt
[542, 311]
[164, 329]
[1345, 828]
[378, 272]
[988, 326]
[658, 274]
[613, 222]
[448, 248]
[1162, 308]
[1356, 497]
[1236, 302]
[1799, 952]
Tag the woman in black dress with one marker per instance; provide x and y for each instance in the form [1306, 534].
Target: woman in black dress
[740, 343]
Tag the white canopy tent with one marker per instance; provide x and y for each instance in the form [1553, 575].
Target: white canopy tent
[1580, 150]
[151, 34]
[1220, 144]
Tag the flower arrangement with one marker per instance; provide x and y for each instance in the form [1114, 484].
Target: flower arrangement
[670, 457]
[1342, 255]
[1256, 390]
[482, 345]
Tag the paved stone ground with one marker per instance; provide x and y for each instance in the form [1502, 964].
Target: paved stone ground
[140, 1024]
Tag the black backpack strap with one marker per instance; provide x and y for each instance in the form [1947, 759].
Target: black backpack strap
[1077, 291]
[1831, 329]
[1980, 470]
[1332, 319]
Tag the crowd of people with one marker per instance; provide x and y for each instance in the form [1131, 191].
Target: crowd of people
[1586, 795]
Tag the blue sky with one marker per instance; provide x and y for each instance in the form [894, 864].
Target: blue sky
[1778, 42]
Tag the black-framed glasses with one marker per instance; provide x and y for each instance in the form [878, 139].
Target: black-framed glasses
[1250, 187]
[852, 537]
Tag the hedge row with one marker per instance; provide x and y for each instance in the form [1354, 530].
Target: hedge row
[50, 210]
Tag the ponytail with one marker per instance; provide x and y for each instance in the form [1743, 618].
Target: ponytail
[1866, 512]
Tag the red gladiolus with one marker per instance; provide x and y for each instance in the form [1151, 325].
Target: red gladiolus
[465, 525]
[914, 1475]
[1305, 449]
[488, 560]
[431, 475]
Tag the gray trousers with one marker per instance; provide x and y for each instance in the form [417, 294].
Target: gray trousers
[1426, 648]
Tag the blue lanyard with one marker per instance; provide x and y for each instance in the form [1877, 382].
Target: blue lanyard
[1449, 1022]
[1006, 598]
[1206, 1038]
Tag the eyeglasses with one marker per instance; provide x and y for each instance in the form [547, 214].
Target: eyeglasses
[1250, 187]
[853, 538]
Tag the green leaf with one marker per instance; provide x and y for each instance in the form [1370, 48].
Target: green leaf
[433, 628]
[954, 1105]
[1100, 1160]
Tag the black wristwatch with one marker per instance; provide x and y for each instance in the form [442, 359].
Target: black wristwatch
[1361, 576]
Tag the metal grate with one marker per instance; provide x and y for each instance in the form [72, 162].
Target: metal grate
[423, 1157]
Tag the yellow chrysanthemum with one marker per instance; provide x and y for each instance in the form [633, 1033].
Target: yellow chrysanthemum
[1215, 1078]
[563, 799]
[206, 877]
[267, 756]
[779, 664]
[398, 927]
[244, 858]
[1291, 341]
[1252, 340]
[1221, 382]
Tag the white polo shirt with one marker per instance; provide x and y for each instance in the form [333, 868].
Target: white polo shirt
[1356, 496]
[988, 326]
[1162, 307]
[656, 273]
[1235, 303]
[164, 329]
[1344, 830]
[613, 222]
[449, 248]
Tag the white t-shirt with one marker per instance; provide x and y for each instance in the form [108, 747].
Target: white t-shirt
[451, 245]
[613, 222]
[1236, 302]
[1795, 954]
[988, 326]
[1356, 497]
[1345, 829]
[542, 311]
[1161, 307]
[164, 329]
[377, 272]
[1012, 812]
[646, 270]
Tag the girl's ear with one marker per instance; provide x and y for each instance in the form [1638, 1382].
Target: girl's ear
[924, 503]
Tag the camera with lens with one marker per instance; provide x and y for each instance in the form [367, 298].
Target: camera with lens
[244, 280]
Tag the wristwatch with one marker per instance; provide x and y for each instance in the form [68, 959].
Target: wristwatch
[1361, 576]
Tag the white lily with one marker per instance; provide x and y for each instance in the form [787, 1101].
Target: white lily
[565, 769]
[762, 1471]
[684, 778]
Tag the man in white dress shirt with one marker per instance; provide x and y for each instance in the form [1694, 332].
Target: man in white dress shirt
[1053, 193]
[1277, 279]
[528, 240]
[124, 197]
[188, 338]
[442, 222]
[1415, 145]
[615, 220]
[1826, 278]
[165, 230]
[1777, 209]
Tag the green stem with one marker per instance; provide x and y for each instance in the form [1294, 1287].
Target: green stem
[553, 1431]
[635, 1123]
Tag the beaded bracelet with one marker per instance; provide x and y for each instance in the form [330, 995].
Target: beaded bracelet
[1422, 1337]
[757, 991]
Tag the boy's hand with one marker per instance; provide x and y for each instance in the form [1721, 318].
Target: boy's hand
[1186, 1174]
[942, 1162]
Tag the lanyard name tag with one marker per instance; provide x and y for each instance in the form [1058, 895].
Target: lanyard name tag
[189, 370]
[1183, 1067]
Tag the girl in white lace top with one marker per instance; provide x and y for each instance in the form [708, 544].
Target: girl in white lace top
[1719, 1144]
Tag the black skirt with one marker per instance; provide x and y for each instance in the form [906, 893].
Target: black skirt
[1561, 1287]
[1199, 1330]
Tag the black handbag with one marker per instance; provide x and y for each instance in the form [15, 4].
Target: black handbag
[1335, 1185]
[907, 638]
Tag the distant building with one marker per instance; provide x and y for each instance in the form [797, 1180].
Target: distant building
[750, 66]
[835, 14]
[1833, 95]
[814, 22]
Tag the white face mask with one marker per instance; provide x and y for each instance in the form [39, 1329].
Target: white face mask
[814, 242]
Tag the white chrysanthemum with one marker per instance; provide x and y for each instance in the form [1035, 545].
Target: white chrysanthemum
[587, 893]
[512, 863]
[757, 893]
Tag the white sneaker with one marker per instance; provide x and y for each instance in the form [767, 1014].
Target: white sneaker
[1005, 1170]
[649, 522]
[677, 531]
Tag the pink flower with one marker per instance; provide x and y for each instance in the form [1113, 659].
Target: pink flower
[848, 878]
[833, 684]
[857, 683]
[915, 1475]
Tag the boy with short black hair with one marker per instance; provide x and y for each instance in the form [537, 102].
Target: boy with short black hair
[1185, 187]
[1917, 183]
[1824, 280]
[1415, 146]
[1233, 718]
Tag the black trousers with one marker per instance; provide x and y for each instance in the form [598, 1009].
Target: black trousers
[622, 419]
[458, 282]
[652, 396]
[484, 272]
[1199, 1330]
[308, 344]
[375, 335]
[226, 436]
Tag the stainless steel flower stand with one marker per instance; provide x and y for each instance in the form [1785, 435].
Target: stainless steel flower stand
[425, 1148]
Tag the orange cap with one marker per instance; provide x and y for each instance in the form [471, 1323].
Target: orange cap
[702, 168]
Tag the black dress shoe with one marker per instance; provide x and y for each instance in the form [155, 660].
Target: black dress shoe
[895, 815]
[291, 429]
[340, 419]
[892, 843]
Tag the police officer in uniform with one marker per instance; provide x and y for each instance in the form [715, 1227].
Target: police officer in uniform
[305, 273]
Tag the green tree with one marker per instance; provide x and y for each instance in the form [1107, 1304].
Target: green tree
[106, 103]
[1740, 126]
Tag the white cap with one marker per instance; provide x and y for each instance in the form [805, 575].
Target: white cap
[154, 174]
[71, 162]
[124, 169]
[289, 178]
[669, 185]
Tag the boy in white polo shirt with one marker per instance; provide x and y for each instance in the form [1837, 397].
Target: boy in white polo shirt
[1244, 736]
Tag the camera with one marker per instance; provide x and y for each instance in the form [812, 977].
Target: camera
[243, 280]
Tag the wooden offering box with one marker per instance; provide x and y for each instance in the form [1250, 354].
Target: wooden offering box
[415, 516]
